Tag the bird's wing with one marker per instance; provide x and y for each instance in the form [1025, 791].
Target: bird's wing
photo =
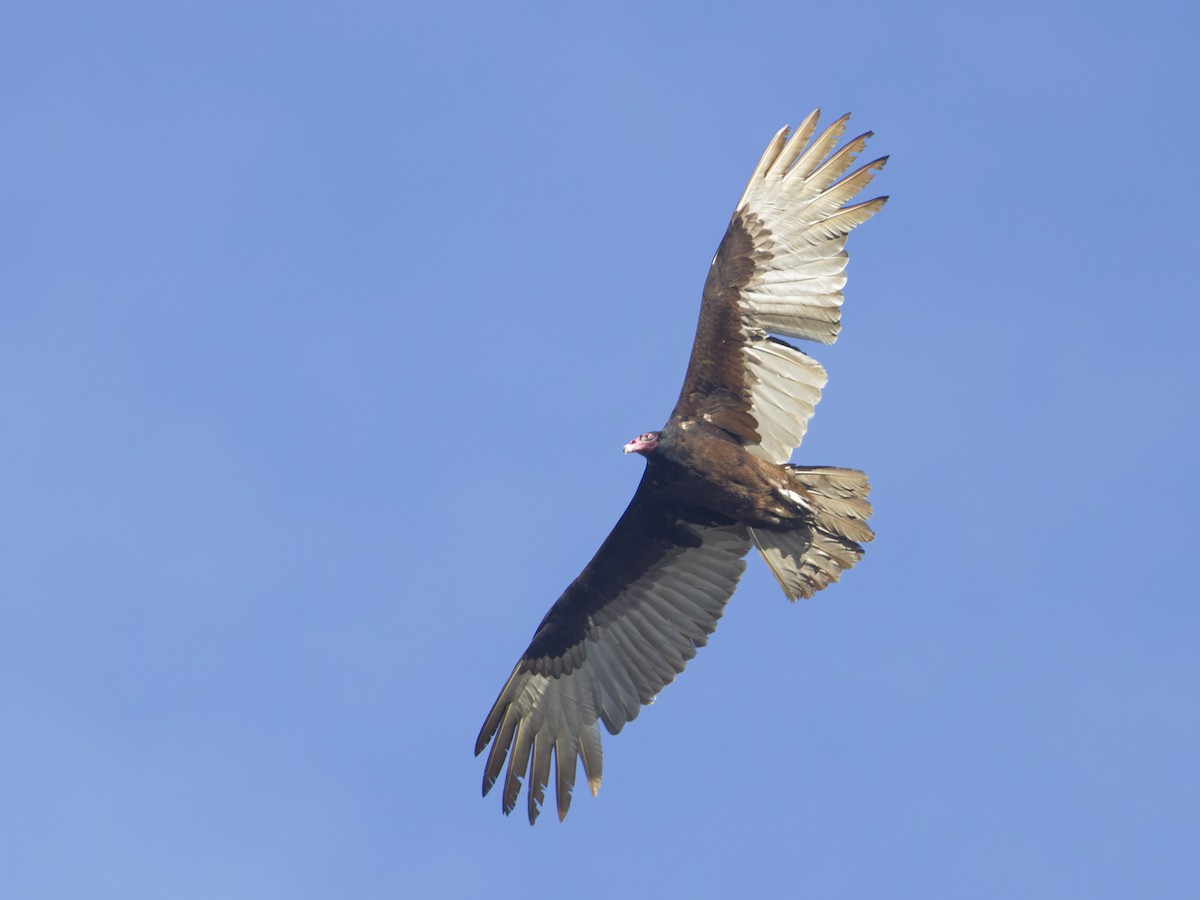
[621, 632]
[779, 270]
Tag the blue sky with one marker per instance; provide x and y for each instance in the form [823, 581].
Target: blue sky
[321, 329]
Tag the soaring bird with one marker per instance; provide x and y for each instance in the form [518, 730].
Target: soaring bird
[717, 479]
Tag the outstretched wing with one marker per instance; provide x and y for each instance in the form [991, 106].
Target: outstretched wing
[779, 270]
[621, 632]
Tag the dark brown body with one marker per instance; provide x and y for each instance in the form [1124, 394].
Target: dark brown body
[703, 466]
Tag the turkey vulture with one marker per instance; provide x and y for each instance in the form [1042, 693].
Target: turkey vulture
[717, 480]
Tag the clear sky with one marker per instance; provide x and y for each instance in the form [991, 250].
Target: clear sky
[321, 329]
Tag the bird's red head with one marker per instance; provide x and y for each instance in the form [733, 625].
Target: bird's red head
[643, 443]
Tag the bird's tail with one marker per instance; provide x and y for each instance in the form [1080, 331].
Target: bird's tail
[807, 557]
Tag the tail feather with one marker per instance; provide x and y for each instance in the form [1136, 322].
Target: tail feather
[839, 497]
[808, 557]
